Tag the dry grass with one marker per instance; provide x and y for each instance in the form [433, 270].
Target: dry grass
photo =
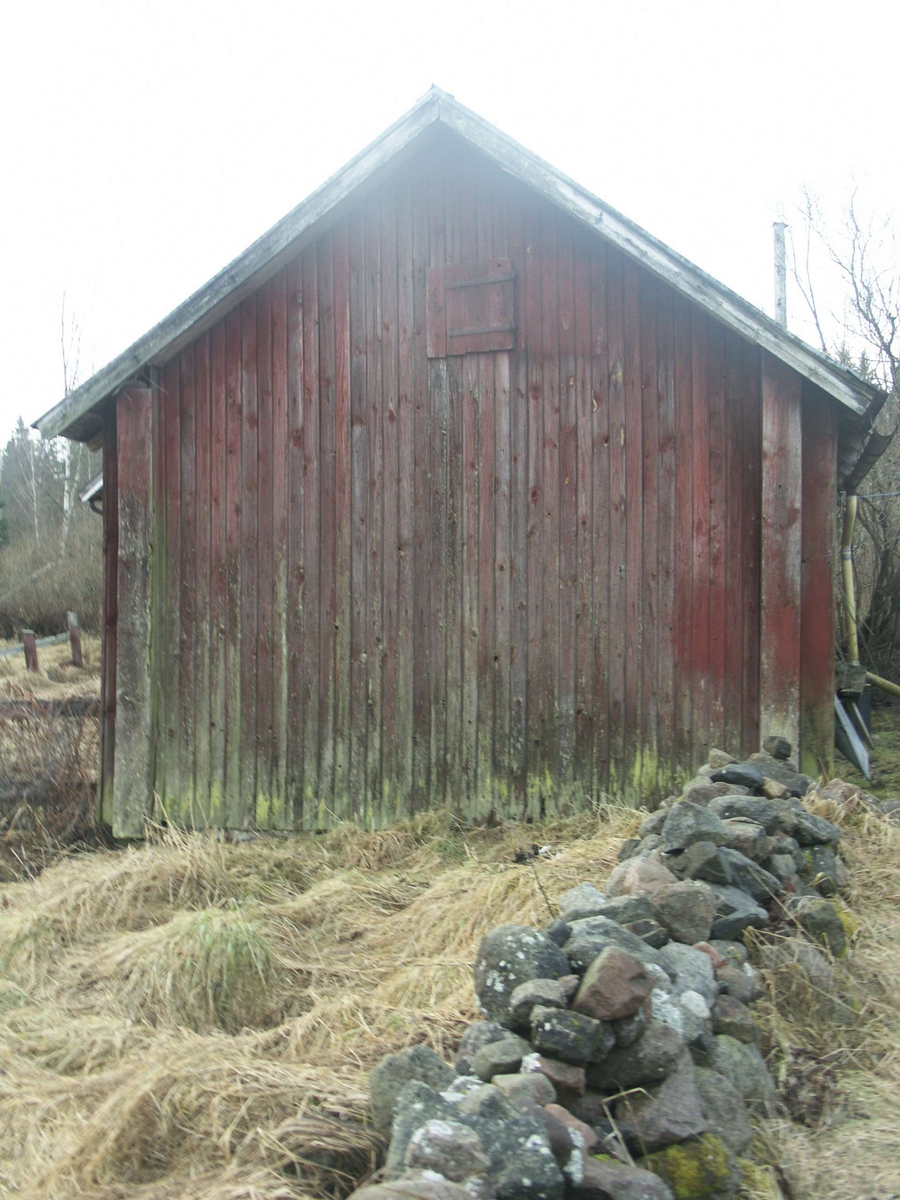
[57, 677]
[195, 1019]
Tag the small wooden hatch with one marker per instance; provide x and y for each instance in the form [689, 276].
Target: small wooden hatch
[470, 308]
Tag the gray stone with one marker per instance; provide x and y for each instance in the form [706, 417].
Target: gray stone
[646, 847]
[648, 1061]
[653, 823]
[719, 758]
[637, 875]
[819, 920]
[609, 1180]
[414, 1107]
[546, 992]
[730, 1016]
[672, 1112]
[629, 849]
[487, 1103]
[784, 772]
[782, 866]
[591, 936]
[701, 791]
[735, 953]
[821, 869]
[533, 1088]
[628, 1030]
[778, 747]
[625, 909]
[688, 1014]
[736, 912]
[758, 809]
[414, 1185]
[499, 1058]
[685, 910]
[585, 900]
[703, 861]
[395, 1071]
[743, 1065]
[510, 955]
[745, 774]
[690, 970]
[810, 830]
[749, 837]
[558, 932]
[448, 1147]
[569, 1036]
[478, 1034]
[688, 823]
[749, 877]
[737, 983]
[723, 1109]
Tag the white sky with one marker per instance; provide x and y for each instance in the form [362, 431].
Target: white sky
[142, 146]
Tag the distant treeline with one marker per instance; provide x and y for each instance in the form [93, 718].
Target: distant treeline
[50, 543]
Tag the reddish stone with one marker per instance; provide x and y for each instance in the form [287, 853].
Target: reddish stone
[569, 984]
[614, 986]
[568, 1080]
[717, 959]
[565, 1117]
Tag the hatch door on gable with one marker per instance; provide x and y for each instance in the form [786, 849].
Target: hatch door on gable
[470, 308]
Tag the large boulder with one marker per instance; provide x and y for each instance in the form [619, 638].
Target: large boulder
[510, 955]
[685, 910]
[591, 937]
[615, 985]
[688, 823]
[672, 1112]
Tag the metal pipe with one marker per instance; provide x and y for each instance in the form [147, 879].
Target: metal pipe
[847, 577]
[884, 684]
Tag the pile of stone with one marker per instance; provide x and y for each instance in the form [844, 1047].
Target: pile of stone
[618, 1056]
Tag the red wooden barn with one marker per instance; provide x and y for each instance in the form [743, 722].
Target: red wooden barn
[459, 488]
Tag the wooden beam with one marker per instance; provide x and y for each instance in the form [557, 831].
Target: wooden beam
[817, 584]
[110, 618]
[781, 548]
[131, 781]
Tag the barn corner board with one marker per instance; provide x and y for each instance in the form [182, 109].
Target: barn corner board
[457, 488]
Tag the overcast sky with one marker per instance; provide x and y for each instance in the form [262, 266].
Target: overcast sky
[145, 145]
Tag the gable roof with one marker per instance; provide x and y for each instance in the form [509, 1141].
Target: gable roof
[75, 416]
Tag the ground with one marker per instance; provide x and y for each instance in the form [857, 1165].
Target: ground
[194, 1019]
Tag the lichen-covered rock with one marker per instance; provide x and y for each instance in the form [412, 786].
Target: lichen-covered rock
[592, 936]
[533, 1088]
[522, 1000]
[569, 1036]
[688, 1014]
[413, 1185]
[615, 985]
[696, 1170]
[510, 955]
[567, 1078]
[448, 1147]
[628, 1031]
[690, 970]
[499, 1058]
[648, 1061]
[395, 1071]
[478, 1034]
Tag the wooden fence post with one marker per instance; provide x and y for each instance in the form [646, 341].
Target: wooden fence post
[75, 639]
[29, 645]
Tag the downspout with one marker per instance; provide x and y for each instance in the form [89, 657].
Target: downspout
[847, 577]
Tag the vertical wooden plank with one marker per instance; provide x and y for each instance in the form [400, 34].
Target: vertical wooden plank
[568, 517]
[234, 509]
[279, 815]
[665, 759]
[618, 615]
[817, 624]
[503, 766]
[327, 532]
[249, 559]
[110, 618]
[438, 396]
[653, 376]
[203, 631]
[584, 616]
[360, 334]
[700, 683]
[751, 543]
[374, 415]
[485, 642]
[781, 548]
[218, 577]
[421, 730]
[550, 510]
[390, 549]
[342, 484]
[295, 627]
[160, 662]
[311, 597]
[718, 509]
[634, 528]
[132, 791]
[187, 809]
[406, 415]
[530, 304]
[265, 645]
[736, 524]
[601, 554]
[519, 521]
[684, 516]
[74, 631]
[29, 649]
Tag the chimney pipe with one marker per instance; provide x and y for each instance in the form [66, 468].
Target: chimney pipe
[778, 228]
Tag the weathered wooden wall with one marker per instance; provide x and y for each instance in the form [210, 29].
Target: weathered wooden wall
[506, 581]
